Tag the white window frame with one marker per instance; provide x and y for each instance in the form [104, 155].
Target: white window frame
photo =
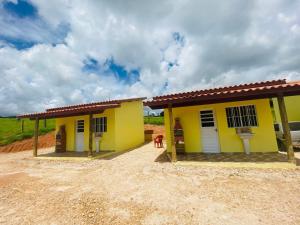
[240, 117]
[100, 124]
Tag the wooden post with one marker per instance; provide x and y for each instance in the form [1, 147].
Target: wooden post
[36, 136]
[22, 125]
[45, 123]
[286, 129]
[90, 154]
[173, 149]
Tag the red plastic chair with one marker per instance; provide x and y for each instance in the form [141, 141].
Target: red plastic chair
[158, 141]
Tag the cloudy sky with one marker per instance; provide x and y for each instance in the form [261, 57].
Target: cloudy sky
[59, 52]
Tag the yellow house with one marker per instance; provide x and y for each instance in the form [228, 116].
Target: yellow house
[227, 119]
[115, 125]
[292, 108]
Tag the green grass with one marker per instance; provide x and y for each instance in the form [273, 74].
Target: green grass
[10, 129]
[156, 120]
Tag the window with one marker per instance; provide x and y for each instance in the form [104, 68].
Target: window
[294, 126]
[80, 126]
[241, 116]
[207, 118]
[100, 124]
[276, 127]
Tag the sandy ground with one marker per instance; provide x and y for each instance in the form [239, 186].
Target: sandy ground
[134, 188]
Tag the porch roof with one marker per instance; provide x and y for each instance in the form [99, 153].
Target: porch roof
[81, 109]
[74, 111]
[259, 90]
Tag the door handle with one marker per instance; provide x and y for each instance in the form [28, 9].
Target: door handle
[216, 129]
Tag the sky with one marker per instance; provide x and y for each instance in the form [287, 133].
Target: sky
[61, 52]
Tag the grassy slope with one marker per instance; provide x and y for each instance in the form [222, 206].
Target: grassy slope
[10, 129]
[157, 120]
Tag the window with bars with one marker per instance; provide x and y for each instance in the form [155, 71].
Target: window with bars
[241, 116]
[207, 118]
[80, 126]
[100, 124]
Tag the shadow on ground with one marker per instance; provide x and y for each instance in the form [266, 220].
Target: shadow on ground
[163, 157]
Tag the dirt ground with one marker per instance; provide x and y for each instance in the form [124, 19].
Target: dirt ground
[140, 187]
[157, 129]
[45, 141]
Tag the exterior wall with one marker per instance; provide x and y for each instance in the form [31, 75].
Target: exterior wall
[125, 128]
[69, 122]
[264, 139]
[129, 125]
[107, 142]
[108, 139]
[292, 107]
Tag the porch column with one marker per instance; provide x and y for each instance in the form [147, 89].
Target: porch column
[173, 150]
[286, 129]
[90, 153]
[36, 136]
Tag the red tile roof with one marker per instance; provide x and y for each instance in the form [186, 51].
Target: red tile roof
[240, 92]
[98, 103]
[82, 109]
[70, 111]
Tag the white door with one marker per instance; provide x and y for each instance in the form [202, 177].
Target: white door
[209, 132]
[79, 136]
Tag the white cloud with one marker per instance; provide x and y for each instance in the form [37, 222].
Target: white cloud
[224, 43]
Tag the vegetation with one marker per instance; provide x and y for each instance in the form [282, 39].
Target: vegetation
[156, 120]
[11, 129]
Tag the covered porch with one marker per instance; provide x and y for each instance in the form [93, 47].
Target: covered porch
[233, 160]
[87, 110]
[234, 157]
[245, 92]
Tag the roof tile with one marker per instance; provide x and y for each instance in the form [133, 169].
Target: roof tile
[275, 86]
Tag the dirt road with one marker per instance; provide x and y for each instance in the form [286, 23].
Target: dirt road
[134, 189]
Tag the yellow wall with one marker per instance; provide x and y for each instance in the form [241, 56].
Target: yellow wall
[125, 128]
[292, 104]
[264, 139]
[107, 142]
[129, 125]
[69, 123]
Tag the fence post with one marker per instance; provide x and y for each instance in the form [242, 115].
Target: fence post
[22, 125]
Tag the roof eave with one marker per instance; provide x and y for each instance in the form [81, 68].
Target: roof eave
[98, 103]
[68, 113]
[230, 97]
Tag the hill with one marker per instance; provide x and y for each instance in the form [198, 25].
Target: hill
[11, 129]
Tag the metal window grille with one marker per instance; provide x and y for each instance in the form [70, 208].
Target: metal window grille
[207, 118]
[80, 126]
[241, 116]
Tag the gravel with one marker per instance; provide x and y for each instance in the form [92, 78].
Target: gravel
[134, 189]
